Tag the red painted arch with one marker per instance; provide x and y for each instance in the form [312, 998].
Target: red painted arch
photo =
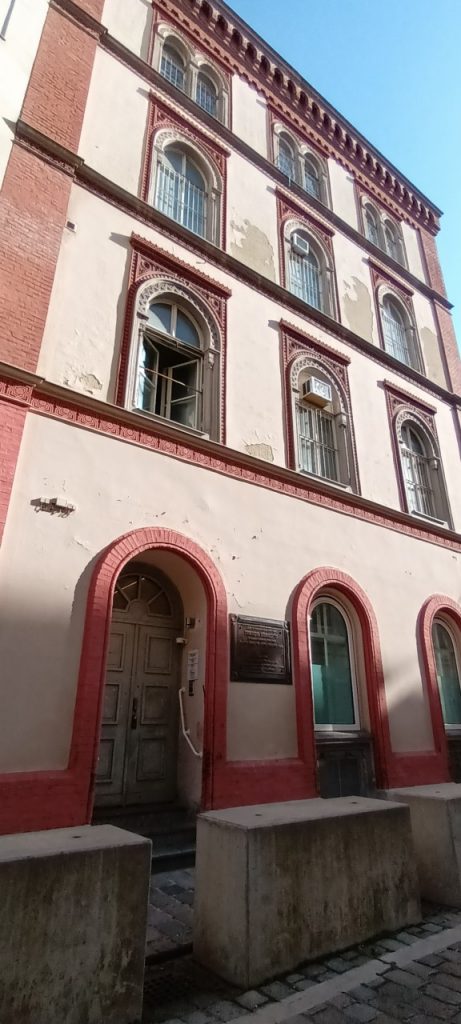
[85, 739]
[307, 590]
[434, 606]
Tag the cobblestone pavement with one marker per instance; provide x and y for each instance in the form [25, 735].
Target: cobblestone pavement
[169, 920]
[413, 975]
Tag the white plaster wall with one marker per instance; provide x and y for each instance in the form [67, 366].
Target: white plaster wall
[261, 542]
[428, 339]
[249, 115]
[17, 55]
[130, 23]
[252, 217]
[413, 251]
[342, 193]
[354, 288]
[115, 122]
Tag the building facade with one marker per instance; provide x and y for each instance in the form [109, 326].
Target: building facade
[230, 429]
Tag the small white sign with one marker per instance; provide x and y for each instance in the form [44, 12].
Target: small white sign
[192, 666]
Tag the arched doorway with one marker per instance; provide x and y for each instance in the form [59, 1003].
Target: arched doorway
[139, 724]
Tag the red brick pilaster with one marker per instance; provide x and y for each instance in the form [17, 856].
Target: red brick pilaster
[431, 258]
[14, 402]
[448, 338]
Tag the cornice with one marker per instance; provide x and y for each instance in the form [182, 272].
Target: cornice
[216, 25]
[101, 186]
[85, 412]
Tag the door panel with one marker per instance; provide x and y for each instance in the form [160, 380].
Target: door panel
[151, 746]
[116, 704]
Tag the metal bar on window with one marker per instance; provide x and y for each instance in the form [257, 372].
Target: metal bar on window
[181, 200]
[316, 443]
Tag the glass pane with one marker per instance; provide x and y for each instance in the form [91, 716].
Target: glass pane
[311, 179]
[305, 279]
[146, 389]
[160, 316]
[206, 95]
[160, 605]
[371, 229]
[185, 330]
[172, 67]
[447, 675]
[285, 159]
[184, 394]
[331, 669]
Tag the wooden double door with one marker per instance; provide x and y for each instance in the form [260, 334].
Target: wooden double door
[139, 730]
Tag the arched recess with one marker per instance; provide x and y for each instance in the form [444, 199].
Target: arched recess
[444, 607]
[88, 707]
[309, 587]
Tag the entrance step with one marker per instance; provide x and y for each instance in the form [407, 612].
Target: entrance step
[171, 829]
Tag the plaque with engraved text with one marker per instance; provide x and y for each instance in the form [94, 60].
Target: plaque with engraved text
[260, 650]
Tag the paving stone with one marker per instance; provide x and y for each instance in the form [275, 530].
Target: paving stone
[181, 912]
[349, 954]
[363, 992]
[305, 983]
[276, 990]
[405, 937]
[421, 970]
[424, 1004]
[391, 945]
[394, 990]
[291, 979]
[338, 965]
[442, 977]
[375, 983]
[174, 929]
[299, 1019]
[446, 995]
[388, 1005]
[404, 978]
[361, 1012]
[433, 960]
[451, 967]
[326, 1014]
[197, 1017]
[252, 999]
[224, 1010]
[431, 928]
[452, 955]
[341, 1000]
[314, 970]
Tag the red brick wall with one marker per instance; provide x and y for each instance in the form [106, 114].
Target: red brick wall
[431, 257]
[58, 88]
[33, 206]
[447, 334]
[12, 419]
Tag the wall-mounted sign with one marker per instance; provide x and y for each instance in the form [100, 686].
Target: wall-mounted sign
[260, 650]
[192, 666]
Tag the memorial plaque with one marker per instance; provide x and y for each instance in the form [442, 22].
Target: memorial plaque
[260, 650]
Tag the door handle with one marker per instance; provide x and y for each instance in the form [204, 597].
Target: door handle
[134, 713]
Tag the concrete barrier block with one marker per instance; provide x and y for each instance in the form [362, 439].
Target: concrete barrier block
[73, 926]
[277, 884]
[436, 824]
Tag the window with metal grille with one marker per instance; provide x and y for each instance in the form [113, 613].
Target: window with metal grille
[371, 225]
[417, 473]
[317, 449]
[311, 178]
[286, 159]
[448, 676]
[206, 95]
[169, 374]
[398, 333]
[172, 66]
[180, 190]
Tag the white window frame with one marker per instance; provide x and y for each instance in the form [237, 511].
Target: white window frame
[443, 622]
[357, 727]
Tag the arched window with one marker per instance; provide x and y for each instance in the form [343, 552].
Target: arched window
[170, 366]
[399, 333]
[393, 242]
[422, 472]
[371, 222]
[172, 66]
[181, 190]
[322, 425]
[333, 675]
[206, 94]
[308, 272]
[312, 178]
[448, 674]
[286, 160]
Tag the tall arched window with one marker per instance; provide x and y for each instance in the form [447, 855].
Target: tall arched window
[322, 423]
[333, 674]
[448, 674]
[206, 94]
[392, 241]
[398, 332]
[371, 222]
[170, 366]
[181, 191]
[417, 471]
[172, 66]
[286, 161]
[308, 271]
[312, 178]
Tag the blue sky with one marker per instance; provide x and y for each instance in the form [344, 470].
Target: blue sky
[394, 71]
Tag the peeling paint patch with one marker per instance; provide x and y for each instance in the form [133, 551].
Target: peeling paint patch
[431, 355]
[358, 308]
[83, 382]
[260, 451]
[252, 247]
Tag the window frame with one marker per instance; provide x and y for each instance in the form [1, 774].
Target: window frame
[300, 154]
[358, 726]
[438, 620]
[214, 183]
[386, 292]
[195, 63]
[327, 280]
[158, 339]
[383, 220]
